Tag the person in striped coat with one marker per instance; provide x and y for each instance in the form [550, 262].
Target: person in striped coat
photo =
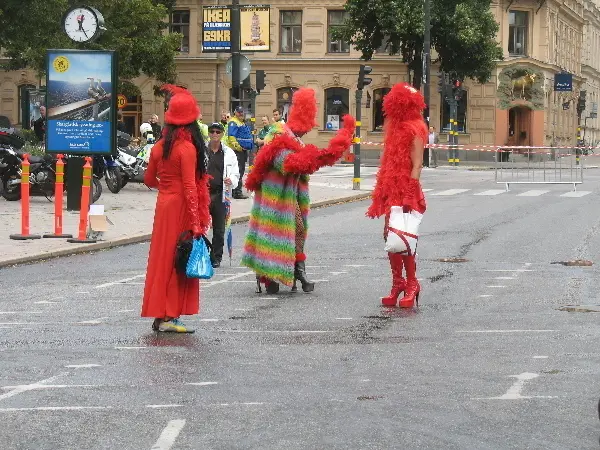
[274, 244]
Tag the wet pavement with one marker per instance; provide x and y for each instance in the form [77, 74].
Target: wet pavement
[490, 360]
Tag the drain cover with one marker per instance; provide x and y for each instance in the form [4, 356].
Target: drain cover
[575, 262]
[580, 308]
[452, 260]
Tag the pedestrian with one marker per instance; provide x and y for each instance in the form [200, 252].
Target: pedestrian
[121, 123]
[224, 172]
[405, 133]
[156, 128]
[240, 139]
[178, 169]
[277, 116]
[203, 127]
[433, 139]
[262, 134]
[225, 118]
[39, 125]
[274, 244]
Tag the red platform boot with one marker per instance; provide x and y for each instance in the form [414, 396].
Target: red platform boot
[398, 283]
[413, 288]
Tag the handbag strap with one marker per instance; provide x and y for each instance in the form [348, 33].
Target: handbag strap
[207, 242]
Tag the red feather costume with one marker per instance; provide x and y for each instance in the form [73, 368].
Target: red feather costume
[403, 107]
[274, 245]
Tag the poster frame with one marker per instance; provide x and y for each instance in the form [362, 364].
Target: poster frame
[242, 46]
[112, 150]
[220, 49]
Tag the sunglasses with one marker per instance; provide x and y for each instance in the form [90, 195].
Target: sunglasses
[215, 131]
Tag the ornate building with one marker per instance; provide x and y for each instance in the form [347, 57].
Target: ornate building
[517, 107]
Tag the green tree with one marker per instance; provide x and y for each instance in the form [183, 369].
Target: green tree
[135, 28]
[463, 33]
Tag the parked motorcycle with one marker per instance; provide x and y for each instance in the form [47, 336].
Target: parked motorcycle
[133, 161]
[106, 167]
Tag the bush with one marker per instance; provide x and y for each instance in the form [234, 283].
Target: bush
[30, 136]
[33, 149]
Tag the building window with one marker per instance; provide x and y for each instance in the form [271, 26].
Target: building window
[291, 32]
[284, 101]
[132, 115]
[517, 32]
[384, 48]
[25, 121]
[335, 19]
[378, 95]
[180, 23]
[461, 114]
[336, 106]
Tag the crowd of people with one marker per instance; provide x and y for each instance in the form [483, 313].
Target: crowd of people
[193, 166]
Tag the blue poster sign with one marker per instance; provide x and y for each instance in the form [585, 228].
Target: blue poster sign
[563, 82]
[216, 29]
[80, 102]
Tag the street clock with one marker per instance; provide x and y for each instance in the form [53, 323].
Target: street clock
[83, 24]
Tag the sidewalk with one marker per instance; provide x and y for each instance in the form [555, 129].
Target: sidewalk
[131, 211]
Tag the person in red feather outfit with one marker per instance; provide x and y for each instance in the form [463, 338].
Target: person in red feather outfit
[178, 169]
[405, 134]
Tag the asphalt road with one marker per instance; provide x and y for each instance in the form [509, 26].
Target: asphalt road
[490, 359]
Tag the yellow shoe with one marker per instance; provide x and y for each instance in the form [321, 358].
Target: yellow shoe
[174, 326]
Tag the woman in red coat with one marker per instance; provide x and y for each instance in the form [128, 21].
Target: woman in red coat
[178, 168]
[398, 180]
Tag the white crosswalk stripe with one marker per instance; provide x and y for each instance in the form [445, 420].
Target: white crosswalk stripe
[576, 194]
[491, 192]
[532, 193]
[451, 192]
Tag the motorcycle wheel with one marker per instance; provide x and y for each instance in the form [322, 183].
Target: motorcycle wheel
[113, 179]
[124, 181]
[96, 189]
[12, 193]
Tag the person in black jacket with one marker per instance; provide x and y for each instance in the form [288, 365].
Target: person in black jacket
[39, 125]
[121, 123]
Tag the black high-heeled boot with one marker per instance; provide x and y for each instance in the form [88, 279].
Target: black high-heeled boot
[300, 275]
[271, 286]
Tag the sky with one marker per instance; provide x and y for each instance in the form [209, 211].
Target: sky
[81, 67]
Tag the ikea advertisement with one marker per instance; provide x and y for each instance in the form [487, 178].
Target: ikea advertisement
[80, 102]
[216, 29]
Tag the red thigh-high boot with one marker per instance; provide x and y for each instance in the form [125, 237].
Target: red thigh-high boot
[398, 283]
[413, 288]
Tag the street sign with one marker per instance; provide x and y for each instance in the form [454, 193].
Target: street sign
[121, 101]
[245, 67]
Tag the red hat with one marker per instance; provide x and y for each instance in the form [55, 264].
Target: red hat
[303, 111]
[403, 102]
[183, 108]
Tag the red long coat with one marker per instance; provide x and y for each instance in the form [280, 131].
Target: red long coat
[182, 202]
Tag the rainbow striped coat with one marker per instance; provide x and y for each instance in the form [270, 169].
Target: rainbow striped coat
[270, 245]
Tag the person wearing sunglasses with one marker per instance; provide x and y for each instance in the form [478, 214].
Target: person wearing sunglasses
[223, 168]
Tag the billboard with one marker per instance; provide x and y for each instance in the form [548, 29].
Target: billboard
[216, 29]
[80, 102]
[255, 28]
[563, 82]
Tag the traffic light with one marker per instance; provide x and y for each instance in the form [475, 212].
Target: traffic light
[246, 84]
[362, 79]
[457, 89]
[260, 80]
[581, 102]
[443, 84]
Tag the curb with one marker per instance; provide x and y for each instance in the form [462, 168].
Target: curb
[139, 238]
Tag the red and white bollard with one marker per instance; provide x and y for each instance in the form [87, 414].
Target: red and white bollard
[24, 204]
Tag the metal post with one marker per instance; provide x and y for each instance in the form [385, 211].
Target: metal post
[453, 152]
[427, 70]
[235, 54]
[356, 179]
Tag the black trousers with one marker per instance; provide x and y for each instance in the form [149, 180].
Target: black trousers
[242, 157]
[218, 212]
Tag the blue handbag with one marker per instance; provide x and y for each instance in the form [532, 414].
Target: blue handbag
[199, 264]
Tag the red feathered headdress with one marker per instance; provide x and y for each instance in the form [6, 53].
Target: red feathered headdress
[403, 103]
[303, 111]
[183, 108]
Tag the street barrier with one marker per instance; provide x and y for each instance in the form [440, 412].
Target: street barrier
[58, 201]
[539, 165]
[25, 165]
[85, 204]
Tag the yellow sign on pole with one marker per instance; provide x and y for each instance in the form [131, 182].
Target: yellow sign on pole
[121, 101]
[255, 28]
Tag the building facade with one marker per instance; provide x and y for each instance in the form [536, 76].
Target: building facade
[518, 106]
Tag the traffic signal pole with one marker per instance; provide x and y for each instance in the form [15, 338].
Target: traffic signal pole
[427, 71]
[235, 55]
[356, 179]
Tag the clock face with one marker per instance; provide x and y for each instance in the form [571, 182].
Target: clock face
[81, 24]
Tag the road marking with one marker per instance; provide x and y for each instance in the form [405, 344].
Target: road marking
[451, 192]
[126, 310]
[49, 386]
[237, 404]
[97, 321]
[540, 357]
[338, 273]
[46, 302]
[129, 348]
[54, 408]
[30, 387]
[169, 435]
[82, 366]
[495, 286]
[532, 193]
[164, 406]
[124, 280]
[486, 295]
[208, 320]
[491, 192]
[21, 312]
[203, 383]
[576, 194]
[267, 298]
[505, 278]
[514, 392]
[505, 331]
[356, 265]
[231, 278]
[510, 270]
[82, 292]
[344, 318]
